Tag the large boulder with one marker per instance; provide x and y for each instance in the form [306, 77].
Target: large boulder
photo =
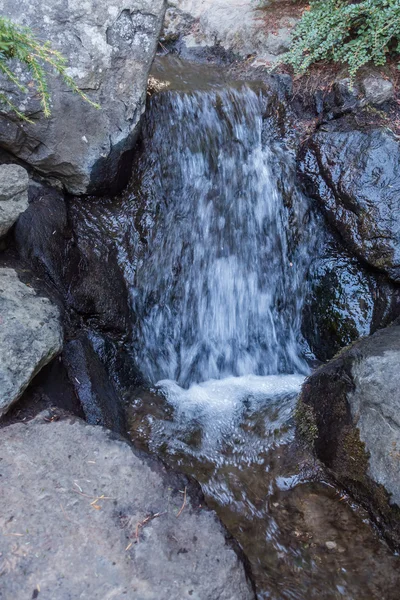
[83, 516]
[110, 47]
[240, 28]
[14, 182]
[30, 336]
[355, 177]
[350, 409]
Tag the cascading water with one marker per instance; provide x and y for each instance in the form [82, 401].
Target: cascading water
[216, 245]
[220, 290]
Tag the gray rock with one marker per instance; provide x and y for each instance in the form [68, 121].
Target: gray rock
[30, 336]
[236, 26]
[279, 41]
[110, 47]
[375, 408]
[377, 90]
[355, 403]
[14, 182]
[355, 177]
[83, 516]
[331, 545]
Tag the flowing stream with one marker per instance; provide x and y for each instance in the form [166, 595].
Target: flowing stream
[218, 292]
[216, 243]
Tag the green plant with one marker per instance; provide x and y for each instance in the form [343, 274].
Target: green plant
[18, 44]
[353, 33]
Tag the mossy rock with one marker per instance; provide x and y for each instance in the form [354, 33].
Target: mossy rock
[349, 411]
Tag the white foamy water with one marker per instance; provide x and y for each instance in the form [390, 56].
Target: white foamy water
[218, 408]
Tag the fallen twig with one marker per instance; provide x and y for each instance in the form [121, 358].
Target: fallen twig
[183, 505]
[66, 516]
[143, 523]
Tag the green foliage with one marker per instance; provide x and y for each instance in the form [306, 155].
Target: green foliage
[354, 33]
[18, 44]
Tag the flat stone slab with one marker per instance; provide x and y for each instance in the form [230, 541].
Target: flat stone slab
[82, 516]
[238, 26]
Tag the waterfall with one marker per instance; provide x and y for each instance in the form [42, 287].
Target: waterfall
[219, 289]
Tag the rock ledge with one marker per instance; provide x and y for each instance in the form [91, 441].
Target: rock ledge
[83, 516]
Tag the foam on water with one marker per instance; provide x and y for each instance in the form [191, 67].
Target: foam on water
[219, 408]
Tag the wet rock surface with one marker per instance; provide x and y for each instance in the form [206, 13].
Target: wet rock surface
[302, 535]
[30, 336]
[51, 390]
[354, 175]
[104, 522]
[346, 301]
[110, 47]
[97, 395]
[14, 182]
[80, 263]
[354, 402]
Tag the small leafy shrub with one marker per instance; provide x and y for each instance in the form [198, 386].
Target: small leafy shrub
[18, 44]
[354, 33]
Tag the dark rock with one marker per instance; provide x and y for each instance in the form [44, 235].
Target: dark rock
[109, 47]
[80, 263]
[346, 301]
[355, 177]
[96, 283]
[42, 235]
[50, 390]
[98, 397]
[355, 408]
[118, 362]
[341, 98]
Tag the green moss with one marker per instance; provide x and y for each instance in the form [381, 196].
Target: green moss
[306, 424]
[355, 456]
